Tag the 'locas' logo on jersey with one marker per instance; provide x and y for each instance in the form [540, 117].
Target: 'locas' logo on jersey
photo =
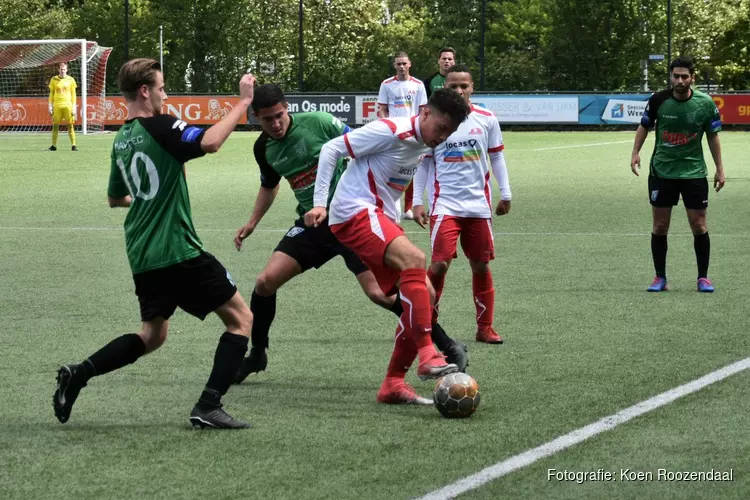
[473, 153]
[677, 138]
[471, 143]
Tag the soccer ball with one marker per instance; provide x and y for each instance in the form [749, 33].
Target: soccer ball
[456, 395]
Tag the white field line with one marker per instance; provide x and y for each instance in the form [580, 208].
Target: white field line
[584, 145]
[528, 457]
[417, 232]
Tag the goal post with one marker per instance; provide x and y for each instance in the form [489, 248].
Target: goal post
[26, 67]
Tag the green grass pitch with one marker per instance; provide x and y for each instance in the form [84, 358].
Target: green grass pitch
[583, 341]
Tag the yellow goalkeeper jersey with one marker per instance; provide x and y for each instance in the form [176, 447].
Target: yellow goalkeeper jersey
[62, 91]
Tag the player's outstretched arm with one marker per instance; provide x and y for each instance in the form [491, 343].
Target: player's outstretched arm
[715, 146]
[635, 157]
[263, 202]
[124, 202]
[330, 154]
[217, 134]
[73, 98]
[420, 182]
[500, 171]
[51, 96]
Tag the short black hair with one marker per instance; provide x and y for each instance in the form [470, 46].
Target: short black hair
[449, 102]
[683, 62]
[266, 96]
[458, 68]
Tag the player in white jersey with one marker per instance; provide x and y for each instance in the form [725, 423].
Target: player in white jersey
[458, 173]
[363, 216]
[402, 95]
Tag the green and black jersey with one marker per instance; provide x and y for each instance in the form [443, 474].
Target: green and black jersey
[148, 159]
[680, 125]
[295, 156]
[434, 82]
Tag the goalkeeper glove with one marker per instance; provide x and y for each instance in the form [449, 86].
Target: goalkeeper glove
[50, 109]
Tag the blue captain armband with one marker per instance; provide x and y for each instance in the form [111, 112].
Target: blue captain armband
[191, 134]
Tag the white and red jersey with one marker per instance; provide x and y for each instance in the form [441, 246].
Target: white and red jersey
[458, 170]
[385, 155]
[403, 98]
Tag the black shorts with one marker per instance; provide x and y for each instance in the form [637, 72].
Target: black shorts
[198, 286]
[666, 192]
[314, 246]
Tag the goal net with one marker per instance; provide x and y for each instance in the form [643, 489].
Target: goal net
[26, 67]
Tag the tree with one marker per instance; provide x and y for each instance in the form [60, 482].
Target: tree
[34, 20]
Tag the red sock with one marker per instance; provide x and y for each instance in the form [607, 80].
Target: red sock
[484, 298]
[404, 353]
[437, 283]
[417, 312]
[409, 197]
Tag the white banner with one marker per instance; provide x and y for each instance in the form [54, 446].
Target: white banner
[621, 111]
[530, 109]
[367, 109]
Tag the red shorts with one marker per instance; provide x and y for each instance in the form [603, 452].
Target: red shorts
[476, 238]
[368, 234]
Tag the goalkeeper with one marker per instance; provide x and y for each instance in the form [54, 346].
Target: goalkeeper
[62, 105]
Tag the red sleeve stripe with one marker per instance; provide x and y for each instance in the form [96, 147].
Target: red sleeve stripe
[481, 111]
[390, 124]
[348, 145]
[497, 149]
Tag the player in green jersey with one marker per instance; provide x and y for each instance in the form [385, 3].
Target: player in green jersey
[170, 267]
[446, 59]
[289, 148]
[681, 116]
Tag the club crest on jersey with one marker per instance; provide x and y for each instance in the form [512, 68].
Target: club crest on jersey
[300, 149]
[294, 231]
[654, 194]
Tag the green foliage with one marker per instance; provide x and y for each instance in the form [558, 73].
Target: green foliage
[34, 19]
[348, 45]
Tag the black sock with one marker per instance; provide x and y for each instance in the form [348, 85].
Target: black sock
[659, 253]
[702, 245]
[440, 338]
[397, 308]
[264, 311]
[229, 354]
[122, 351]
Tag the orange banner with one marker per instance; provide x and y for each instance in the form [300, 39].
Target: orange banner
[19, 111]
[734, 108]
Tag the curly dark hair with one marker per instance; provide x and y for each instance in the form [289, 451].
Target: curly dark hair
[449, 102]
[458, 68]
